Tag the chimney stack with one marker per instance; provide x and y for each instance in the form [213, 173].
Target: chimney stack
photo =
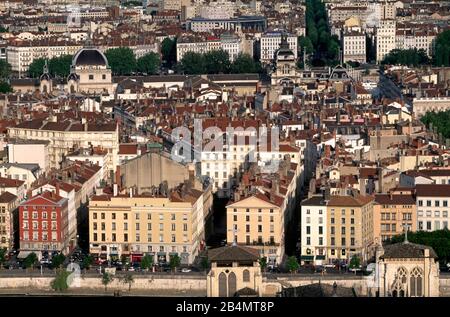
[114, 190]
[57, 189]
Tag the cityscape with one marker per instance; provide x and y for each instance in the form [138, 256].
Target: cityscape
[225, 148]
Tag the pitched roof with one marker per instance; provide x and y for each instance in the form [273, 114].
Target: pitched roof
[407, 250]
[234, 253]
[7, 197]
[433, 190]
[395, 199]
[356, 201]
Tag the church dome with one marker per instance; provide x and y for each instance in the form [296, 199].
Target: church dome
[89, 57]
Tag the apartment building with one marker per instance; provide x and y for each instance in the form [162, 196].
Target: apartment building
[261, 209]
[354, 46]
[21, 54]
[385, 38]
[270, 43]
[313, 230]
[242, 23]
[432, 207]
[392, 213]
[349, 227]
[416, 39]
[158, 225]
[231, 44]
[43, 223]
[67, 135]
[8, 205]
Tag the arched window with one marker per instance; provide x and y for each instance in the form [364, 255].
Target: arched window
[222, 285]
[399, 284]
[72, 89]
[416, 282]
[246, 276]
[231, 284]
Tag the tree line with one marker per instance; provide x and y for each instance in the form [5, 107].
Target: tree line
[408, 57]
[438, 120]
[217, 62]
[322, 47]
[121, 60]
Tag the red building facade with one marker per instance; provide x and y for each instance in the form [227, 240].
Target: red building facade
[43, 223]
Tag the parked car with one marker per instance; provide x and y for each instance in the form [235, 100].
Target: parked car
[185, 270]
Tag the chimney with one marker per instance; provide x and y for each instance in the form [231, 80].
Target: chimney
[57, 189]
[131, 192]
[114, 190]
[391, 193]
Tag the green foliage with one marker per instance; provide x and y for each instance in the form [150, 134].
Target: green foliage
[5, 69]
[3, 29]
[149, 63]
[59, 284]
[58, 260]
[60, 66]
[169, 50]
[107, 279]
[204, 263]
[442, 49]
[57, 66]
[439, 120]
[263, 263]
[439, 240]
[354, 262]
[121, 60]
[36, 68]
[292, 264]
[3, 252]
[175, 261]
[5, 87]
[409, 57]
[128, 279]
[217, 62]
[244, 63]
[146, 262]
[324, 46]
[193, 64]
[87, 261]
[30, 260]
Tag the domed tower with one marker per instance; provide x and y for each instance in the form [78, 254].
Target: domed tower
[45, 81]
[90, 72]
[285, 72]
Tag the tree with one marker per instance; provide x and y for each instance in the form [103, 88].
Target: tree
[244, 63]
[439, 120]
[3, 252]
[305, 44]
[5, 69]
[146, 262]
[30, 260]
[128, 279]
[3, 29]
[217, 62]
[192, 64]
[169, 50]
[59, 283]
[107, 279]
[175, 262]
[58, 260]
[149, 63]
[121, 60]
[87, 262]
[60, 66]
[354, 263]
[5, 87]
[442, 49]
[36, 68]
[204, 263]
[292, 264]
[263, 263]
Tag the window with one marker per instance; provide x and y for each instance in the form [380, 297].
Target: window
[91, 77]
[332, 220]
[173, 238]
[320, 230]
[320, 241]
[259, 228]
[125, 226]
[436, 203]
[185, 227]
[420, 203]
[342, 230]
[172, 217]
[331, 230]
[308, 230]
[103, 226]
[246, 276]
[332, 242]
[416, 285]
[125, 237]
[103, 215]
[44, 215]
[103, 76]
[125, 216]
[35, 215]
[149, 216]
[428, 203]
[352, 221]
[308, 219]
[308, 240]
[113, 237]
[444, 203]
[138, 226]
[343, 221]
[161, 216]
[113, 216]
[173, 227]
[161, 227]
[428, 225]
[437, 213]
[342, 241]
[95, 236]
[103, 237]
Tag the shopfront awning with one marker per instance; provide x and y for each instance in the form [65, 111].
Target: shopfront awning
[23, 254]
[307, 257]
[161, 253]
[320, 257]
